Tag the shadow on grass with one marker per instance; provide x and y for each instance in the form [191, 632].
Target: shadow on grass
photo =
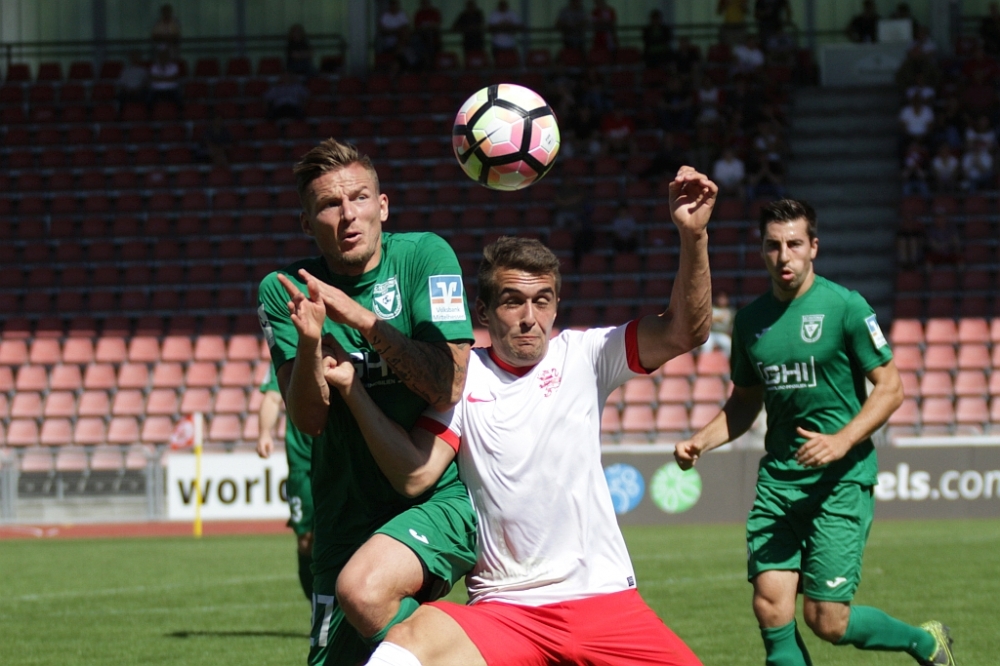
[235, 634]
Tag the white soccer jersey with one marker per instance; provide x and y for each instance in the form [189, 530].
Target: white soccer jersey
[529, 450]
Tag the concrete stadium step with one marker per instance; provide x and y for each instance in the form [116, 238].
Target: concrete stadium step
[824, 145]
[847, 169]
[838, 100]
[847, 193]
[866, 124]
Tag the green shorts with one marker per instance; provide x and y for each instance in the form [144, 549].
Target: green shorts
[298, 489]
[442, 533]
[820, 531]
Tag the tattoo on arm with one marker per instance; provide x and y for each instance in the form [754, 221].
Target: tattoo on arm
[428, 369]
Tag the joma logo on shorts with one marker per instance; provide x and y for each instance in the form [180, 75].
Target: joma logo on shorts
[789, 376]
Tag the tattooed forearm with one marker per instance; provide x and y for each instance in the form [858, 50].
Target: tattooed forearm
[434, 371]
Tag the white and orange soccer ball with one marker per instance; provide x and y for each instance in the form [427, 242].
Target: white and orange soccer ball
[505, 137]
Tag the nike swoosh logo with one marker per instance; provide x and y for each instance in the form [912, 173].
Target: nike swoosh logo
[419, 537]
[464, 157]
[473, 398]
[836, 582]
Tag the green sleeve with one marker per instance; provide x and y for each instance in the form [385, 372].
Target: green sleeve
[864, 338]
[279, 331]
[270, 382]
[741, 369]
[437, 295]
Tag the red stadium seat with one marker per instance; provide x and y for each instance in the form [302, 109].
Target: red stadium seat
[60, 404]
[937, 412]
[168, 375]
[638, 420]
[31, 378]
[230, 401]
[611, 423]
[157, 430]
[640, 391]
[66, 378]
[196, 400]
[702, 414]
[679, 366]
[672, 419]
[940, 357]
[13, 352]
[201, 374]
[941, 331]
[708, 389]
[89, 431]
[26, 405]
[908, 357]
[674, 390]
[936, 383]
[123, 430]
[22, 432]
[906, 332]
[971, 383]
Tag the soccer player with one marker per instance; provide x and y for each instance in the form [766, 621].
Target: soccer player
[553, 582]
[298, 488]
[395, 303]
[803, 350]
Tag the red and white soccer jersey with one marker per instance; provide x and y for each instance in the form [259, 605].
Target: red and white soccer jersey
[529, 451]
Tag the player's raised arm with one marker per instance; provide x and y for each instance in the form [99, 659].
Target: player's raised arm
[433, 370]
[306, 393]
[688, 319]
[412, 461]
[736, 417]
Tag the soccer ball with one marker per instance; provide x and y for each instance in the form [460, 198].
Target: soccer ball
[505, 137]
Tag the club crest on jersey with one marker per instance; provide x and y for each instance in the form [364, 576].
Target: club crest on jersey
[812, 327]
[447, 297]
[549, 381]
[387, 302]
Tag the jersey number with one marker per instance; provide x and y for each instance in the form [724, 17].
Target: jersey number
[322, 614]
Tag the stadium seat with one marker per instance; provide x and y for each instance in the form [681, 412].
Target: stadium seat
[251, 428]
[31, 378]
[196, 400]
[679, 366]
[128, 402]
[712, 363]
[225, 428]
[936, 383]
[672, 420]
[971, 383]
[210, 348]
[936, 412]
[22, 432]
[111, 349]
[708, 389]
[56, 432]
[639, 391]
[168, 375]
[674, 390]
[940, 357]
[26, 405]
[908, 357]
[702, 414]
[972, 411]
[58, 404]
[123, 430]
[162, 402]
[144, 349]
[972, 356]
[911, 384]
[156, 430]
[639, 420]
[941, 331]
[230, 401]
[236, 374]
[973, 330]
[906, 332]
[44, 351]
[611, 422]
[13, 352]
[99, 376]
[89, 431]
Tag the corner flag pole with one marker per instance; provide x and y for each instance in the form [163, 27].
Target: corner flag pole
[199, 437]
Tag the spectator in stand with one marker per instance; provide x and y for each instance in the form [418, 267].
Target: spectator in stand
[981, 131]
[675, 112]
[586, 125]
[215, 144]
[916, 119]
[989, 30]
[945, 169]
[721, 334]
[572, 25]
[709, 102]
[770, 15]
[979, 95]
[164, 78]
[667, 160]
[766, 179]
[977, 167]
[298, 52]
[167, 32]
[624, 231]
[471, 23]
[734, 20]
[656, 39]
[729, 173]
[922, 42]
[618, 133]
[688, 56]
[914, 174]
[573, 213]
[918, 62]
[768, 142]
[950, 124]
[504, 24]
[393, 29]
[427, 29]
[863, 28]
[286, 98]
[604, 21]
[748, 59]
[922, 90]
[133, 82]
[942, 245]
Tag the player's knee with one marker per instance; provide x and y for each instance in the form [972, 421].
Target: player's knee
[772, 612]
[827, 621]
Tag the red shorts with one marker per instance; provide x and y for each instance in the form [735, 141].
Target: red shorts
[616, 628]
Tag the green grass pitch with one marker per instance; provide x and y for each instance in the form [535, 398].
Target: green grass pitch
[237, 600]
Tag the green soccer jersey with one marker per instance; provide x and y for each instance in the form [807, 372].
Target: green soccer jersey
[416, 288]
[298, 446]
[811, 355]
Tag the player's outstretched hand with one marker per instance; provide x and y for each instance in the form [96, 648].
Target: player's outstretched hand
[307, 312]
[340, 307]
[265, 445]
[692, 198]
[338, 369]
[686, 454]
[820, 449]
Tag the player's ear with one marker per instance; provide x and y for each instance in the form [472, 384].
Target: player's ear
[306, 225]
[481, 312]
[383, 205]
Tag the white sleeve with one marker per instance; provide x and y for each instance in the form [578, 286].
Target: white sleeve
[615, 354]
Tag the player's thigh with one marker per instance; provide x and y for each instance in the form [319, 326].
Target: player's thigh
[332, 640]
[841, 524]
[381, 569]
[774, 596]
[436, 639]
[776, 530]
[298, 489]
[441, 532]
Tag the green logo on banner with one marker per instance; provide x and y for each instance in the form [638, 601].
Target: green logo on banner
[674, 490]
